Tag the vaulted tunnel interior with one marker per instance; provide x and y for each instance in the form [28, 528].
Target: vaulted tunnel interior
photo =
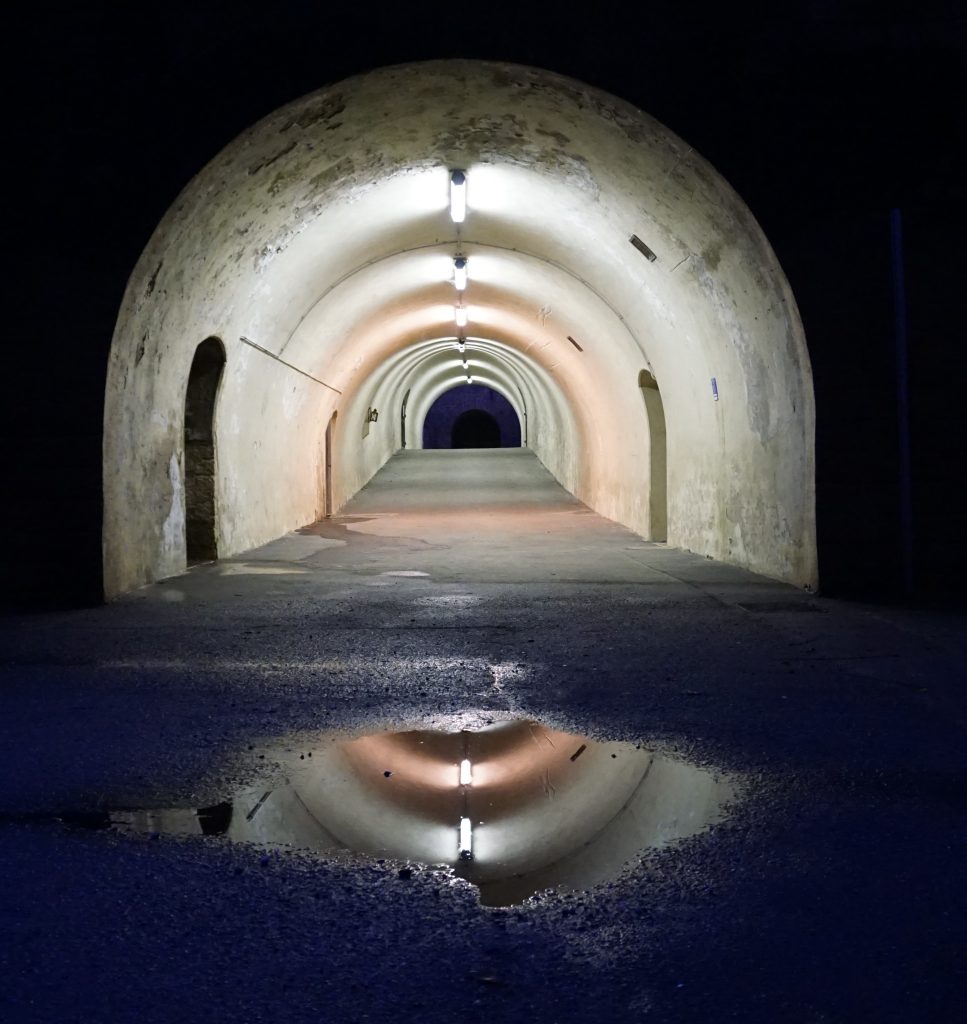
[604, 281]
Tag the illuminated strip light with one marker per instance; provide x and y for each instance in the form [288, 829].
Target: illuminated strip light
[465, 773]
[466, 839]
[460, 315]
[458, 196]
[460, 273]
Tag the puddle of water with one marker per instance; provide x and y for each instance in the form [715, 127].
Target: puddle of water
[449, 601]
[513, 807]
[242, 569]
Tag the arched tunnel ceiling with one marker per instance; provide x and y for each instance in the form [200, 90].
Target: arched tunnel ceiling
[318, 246]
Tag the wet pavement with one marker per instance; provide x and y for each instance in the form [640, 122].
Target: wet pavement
[451, 595]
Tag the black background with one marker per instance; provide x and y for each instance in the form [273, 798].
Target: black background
[824, 116]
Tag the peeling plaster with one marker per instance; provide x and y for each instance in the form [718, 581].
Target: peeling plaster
[173, 530]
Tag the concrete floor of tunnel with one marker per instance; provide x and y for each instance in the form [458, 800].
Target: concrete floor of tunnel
[493, 515]
[833, 892]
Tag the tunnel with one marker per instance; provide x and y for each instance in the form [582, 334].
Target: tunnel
[372, 246]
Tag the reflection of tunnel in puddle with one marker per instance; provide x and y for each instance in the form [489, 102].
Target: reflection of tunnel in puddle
[514, 808]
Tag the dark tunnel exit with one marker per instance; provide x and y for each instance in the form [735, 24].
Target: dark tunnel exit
[471, 416]
[475, 428]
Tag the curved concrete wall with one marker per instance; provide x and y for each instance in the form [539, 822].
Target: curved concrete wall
[318, 246]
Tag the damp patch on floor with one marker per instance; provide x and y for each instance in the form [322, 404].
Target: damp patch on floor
[243, 569]
[293, 547]
[769, 607]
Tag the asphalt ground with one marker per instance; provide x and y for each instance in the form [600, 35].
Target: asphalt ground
[833, 892]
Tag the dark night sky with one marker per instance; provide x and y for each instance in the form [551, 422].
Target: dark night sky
[822, 115]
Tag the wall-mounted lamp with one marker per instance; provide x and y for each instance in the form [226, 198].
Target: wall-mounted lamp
[458, 196]
[460, 273]
[460, 315]
[372, 416]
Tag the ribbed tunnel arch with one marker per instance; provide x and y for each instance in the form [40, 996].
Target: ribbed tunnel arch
[319, 247]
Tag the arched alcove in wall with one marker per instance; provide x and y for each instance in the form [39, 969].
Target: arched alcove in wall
[657, 456]
[201, 524]
[320, 247]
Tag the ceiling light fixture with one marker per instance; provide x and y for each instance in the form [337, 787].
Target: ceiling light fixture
[458, 196]
[460, 273]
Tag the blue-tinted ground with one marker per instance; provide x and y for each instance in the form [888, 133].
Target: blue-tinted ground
[834, 893]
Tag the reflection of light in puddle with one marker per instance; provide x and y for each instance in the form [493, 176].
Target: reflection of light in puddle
[449, 601]
[513, 807]
[405, 572]
[505, 672]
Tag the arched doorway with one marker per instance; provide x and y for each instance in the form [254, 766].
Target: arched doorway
[475, 428]
[201, 532]
[471, 416]
[657, 457]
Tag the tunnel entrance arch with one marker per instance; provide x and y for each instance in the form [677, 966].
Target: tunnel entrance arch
[471, 416]
[320, 308]
[201, 393]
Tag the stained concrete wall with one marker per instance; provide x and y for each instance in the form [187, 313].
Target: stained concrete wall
[322, 236]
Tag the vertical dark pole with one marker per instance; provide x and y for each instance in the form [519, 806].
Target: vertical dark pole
[902, 401]
[328, 509]
[406, 398]
[523, 405]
